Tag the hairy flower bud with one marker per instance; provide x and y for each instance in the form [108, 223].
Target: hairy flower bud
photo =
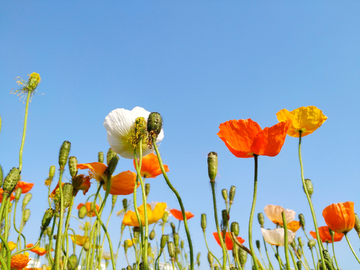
[311, 243]
[326, 255]
[110, 154]
[52, 171]
[125, 204]
[113, 200]
[293, 244]
[152, 235]
[257, 242]
[18, 193]
[68, 194]
[242, 256]
[224, 193]
[165, 217]
[164, 240]
[82, 212]
[225, 218]
[72, 263]
[171, 249]
[49, 214]
[299, 265]
[203, 221]
[210, 258]
[309, 186]
[300, 242]
[101, 157]
[147, 189]
[129, 267]
[86, 245]
[26, 199]
[232, 194]
[212, 165]
[64, 154]
[216, 267]
[154, 124]
[261, 219]
[172, 225]
[73, 166]
[126, 246]
[302, 220]
[11, 180]
[112, 166]
[26, 215]
[235, 228]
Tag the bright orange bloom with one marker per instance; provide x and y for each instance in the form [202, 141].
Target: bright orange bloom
[53, 193]
[19, 261]
[81, 182]
[228, 241]
[90, 213]
[121, 184]
[38, 250]
[178, 214]
[325, 235]
[153, 215]
[150, 167]
[245, 138]
[12, 196]
[293, 225]
[26, 187]
[340, 217]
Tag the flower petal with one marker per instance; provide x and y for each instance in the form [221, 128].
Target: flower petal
[122, 183]
[340, 217]
[273, 212]
[276, 236]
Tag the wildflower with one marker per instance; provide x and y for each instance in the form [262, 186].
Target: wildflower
[26, 187]
[80, 240]
[121, 184]
[122, 134]
[19, 261]
[107, 255]
[153, 215]
[178, 214]
[340, 217]
[90, 212]
[245, 138]
[12, 196]
[12, 245]
[150, 167]
[304, 119]
[228, 240]
[130, 242]
[27, 87]
[294, 225]
[276, 236]
[38, 250]
[81, 182]
[325, 235]
[273, 212]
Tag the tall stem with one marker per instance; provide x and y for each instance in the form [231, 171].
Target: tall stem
[58, 236]
[286, 244]
[24, 130]
[352, 250]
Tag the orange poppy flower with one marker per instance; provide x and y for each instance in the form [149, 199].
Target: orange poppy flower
[19, 261]
[90, 213]
[38, 250]
[150, 167]
[81, 182]
[53, 193]
[153, 215]
[325, 235]
[293, 225]
[228, 241]
[121, 184]
[26, 187]
[245, 138]
[178, 214]
[340, 217]
[12, 196]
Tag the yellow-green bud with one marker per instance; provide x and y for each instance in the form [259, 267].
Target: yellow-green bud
[300, 242]
[122, 227]
[311, 243]
[176, 239]
[216, 267]
[68, 194]
[52, 171]
[293, 244]
[302, 220]
[299, 252]
[210, 258]
[242, 256]
[224, 193]
[64, 154]
[326, 255]
[26, 199]
[152, 235]
[357, 224]
[11, 180]
[212, 165]
[126, 246]
[261, 219]
[182, 244]
[257, 242]
[147, 189]
[165, 217]
[203, 221]
[134, 266]
[1, 172]
[110, 154]
[47, 219]
[235, 228]
[113, 200]
[101, 157]
[125, 204]
[33, 82]
[171, 249]
[299, 265]
[232, 194]
[164, 240]
[154, 124]
[73, 166]
[129, 267]
[72, 263]
[48, 231]
[112, 166]
[86, 245]
[82, 212]
[26, 216]
[225, 218]
[18, 193]
[198, 258]
[309, 186]
[172, 225]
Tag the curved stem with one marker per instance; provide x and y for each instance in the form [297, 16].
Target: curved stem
[352, 250]
[58, 236]
[286, 244]
[209, 248]
[333, 248]
[24, 130]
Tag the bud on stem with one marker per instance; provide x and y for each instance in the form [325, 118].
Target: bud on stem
[64, 154]
[212, 165]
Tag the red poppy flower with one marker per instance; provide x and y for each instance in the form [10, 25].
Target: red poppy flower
[228, 241]
[150, 167]
[26, 187]
[90, 213]
[38, 250]
[245, 138]
[340, 217]
[325, 235]
[178, 214]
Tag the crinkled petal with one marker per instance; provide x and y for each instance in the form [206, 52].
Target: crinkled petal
[273, 212]
[340, 217]
[276, 236]
[122, 183]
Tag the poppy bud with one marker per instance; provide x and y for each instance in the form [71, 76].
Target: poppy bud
[302, 220]
[232, 194]
[299, 265]
[225, 218]
[163, 241]
[134, 266]
[86, 245]
[299, 252]
[101, 157]
[73, 166]
[210, 258]
[126, 246]
[165, 217]
[203, 221]
[112, 165]
[26, 216]
[26, 199]
[152, 235]
[212, 165]
[129, 267]
[224, 193]
[72, 263]
[154, 124]
[125, 204]
[216, 267]
[48, 231]
[261, 219]
[122, 227]
[11, 180]
[1, 175]
[257, 242]
[198, 258]
[52, 171]
[171, 249]
[173, 227]
[18, 193]
[242, 256]
[113, 200]
[293, 244]
[182, 244]
[326, 255]
[47, 219]
[82, 212]
[235, 250]
[357, 224]
[235, 228]
[176, 239]
[110, 154]
[68, 194]
[309, 186]
[300, 242]
[311, 243]
[64, 154]
[147, 189]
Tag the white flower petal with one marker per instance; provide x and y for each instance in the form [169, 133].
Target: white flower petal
[273, 212]
[276, 237]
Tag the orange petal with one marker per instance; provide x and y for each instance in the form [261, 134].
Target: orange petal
[228, 241]
[294, 225]
[26, 187]
[178, 214]
[340, 217]
[325, 235]
[96, 169]
[122, 183]
[150, 167]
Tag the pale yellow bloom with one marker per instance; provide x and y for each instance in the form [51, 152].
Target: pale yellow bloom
[276, 237]
[273, 212]
[80, 240]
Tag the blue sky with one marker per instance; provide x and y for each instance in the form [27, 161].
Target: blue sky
[199, 64]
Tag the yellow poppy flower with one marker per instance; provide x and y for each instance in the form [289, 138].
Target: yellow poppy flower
[304, 119]
[130, 242]
[153, 215]
[80, 240]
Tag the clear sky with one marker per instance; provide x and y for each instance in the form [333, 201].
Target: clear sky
[198, 63]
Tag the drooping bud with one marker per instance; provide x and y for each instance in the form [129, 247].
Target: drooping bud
[165, 217]
[357, 224]
[110, 154]
[26, 199]
[18, 193]
[129, 267]
[203, 221]
[302, 220]
[235, 228]
[212, 165]
[164, 240]
[311, 243]
[73, 166]
[101, 157]
[210, 258]
[47, 219]
[64, 154]
[113, 200]
[112, 166]
[154, 124]
[224, 193]
[125, 204]
[309, 186]
[232, 194]
[242, 256]
[172, 225]
[87, 245]
[299, 265]
[326, 255]
[126, 246]
[11, 180]
[261, 219]
[147, 189]
[82, 212]
[257, 242]
[152, 235]
[225, 218]
[26, 216]
[72, 263]
[176, 239]
[171, 249]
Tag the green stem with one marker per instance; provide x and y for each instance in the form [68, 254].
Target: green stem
[352, 250]
[209, 249]
[312, 255]
[333, 248]
[293, 259]
[66, 229]
[24, 130]
[59, 232]
[286, 244]
[267, 255]
[8, 253]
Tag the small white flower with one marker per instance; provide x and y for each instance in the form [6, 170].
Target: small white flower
[276, 237]
[273, 212]
[106, 255]
[119, 124]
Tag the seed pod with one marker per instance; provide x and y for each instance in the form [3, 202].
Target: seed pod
[82, 212]
[232, 194]
[26, 216]
[125, 204]
[110, 154]
[299, 265]
[182, 244]
[86, 245]
[176, 239]
[101, 157]
[73, 166]
[203, 221]
[64, 154]
[26, 199]
[112, 166]
[302, 220]
[261, 219]
[235, 228]
[224, 193]
[357, 224]
[11, 180]
[72, 263]
[257, 244]
[212, 165]
[113, 200]
[68, 194]
[309, 186]
[147, 189]
[225, 218]
[311, 243]
[171, 249]
[242, 256]
[163, 241]
[47, 218]
[210, 258]
[18, 193]
[154, 124]
[152, 235]
[1, 172]
[165, 217]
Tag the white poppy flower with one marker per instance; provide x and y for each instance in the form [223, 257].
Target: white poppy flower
[106, 255]
[119, 124]
[273, 212]
[276, 237]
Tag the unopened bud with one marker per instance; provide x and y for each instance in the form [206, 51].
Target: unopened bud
[216, 267]
[309, 186]
[47, 219]
[165, 217]
[125, 204]
[171, 249]
[198, 258]
[73, 166]
[302, 220]
[224, 193]
[257, 242]
[52, 171]
[82, 212]
[68, 194]
[64, 154]
[86, 245]
[154, 124]
[182, 243]
[235, 228]
[173, 227]
[129, 267]
[48, 231]
[26, 216]
[242, 256]
[299, 265]
[326, 255]
[212, 165]
[210, 258]
[1, 170]
[122, 227]
[357, 224]
[299, 252]
[300, 242]
[112, 166]
[72, 263]
[18, 193]
[232, 194]
[203, 221]
[11, 180]
[26, 199]
[126, 246]
[110, 154]
[113, 200]
[176, 239]
[311, 243]
[261, 219]
[152, 235]
[147, 189]
[293, 244]
[101, 157]
[225, 218]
